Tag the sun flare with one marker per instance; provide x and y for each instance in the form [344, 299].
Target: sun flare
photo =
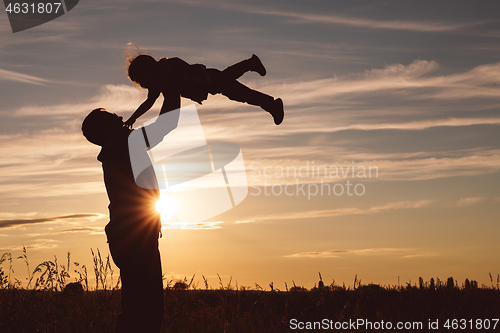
[165, 206]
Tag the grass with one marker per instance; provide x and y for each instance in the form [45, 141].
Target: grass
[53, 302]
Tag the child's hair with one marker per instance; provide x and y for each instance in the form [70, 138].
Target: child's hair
[140, 67]
[93, 129]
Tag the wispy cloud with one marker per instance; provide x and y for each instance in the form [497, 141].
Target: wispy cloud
[466, 202]
[337, 253]
[419, 255]
[30, 221]
[49, 163]
[40, 189]
[116, 98]
[323, 254]
[20, 77]
[421, 124]
[192, 225]
[420, 26]
[332, 19]
[421, 165]
[91, 230]
[45, 244]
[244, 221]
[67, 153]
[424, 99]
[17, 215]
[414, 79]
[312, 214]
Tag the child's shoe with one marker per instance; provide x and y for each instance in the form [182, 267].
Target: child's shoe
[257, 65]
[277, 111]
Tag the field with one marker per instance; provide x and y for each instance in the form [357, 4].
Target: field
[51, 302]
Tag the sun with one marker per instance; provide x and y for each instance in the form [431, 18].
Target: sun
[165, 206]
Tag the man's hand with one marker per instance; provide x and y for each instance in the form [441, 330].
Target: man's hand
[129, 123]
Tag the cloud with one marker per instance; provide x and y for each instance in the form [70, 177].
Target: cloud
[420, 165]
[420, 26]
[44, 189]
[45, 245]
[418, 255]
[416, 81]
[312, 214]
[91, 230]
[424, 166]
[19, 77]
[244, 221]
[49, 163]
[337, 253]
[420, 124]
[17, 215]
[42, 163]
[30, 221]
[332, 19]
[466, 202]
[192, 225]
[396, 97]
[324, 254]
[115, 98]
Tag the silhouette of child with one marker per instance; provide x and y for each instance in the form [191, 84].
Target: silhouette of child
[173, 77]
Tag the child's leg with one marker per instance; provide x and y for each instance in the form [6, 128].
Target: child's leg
[236, 91]
[253, 64]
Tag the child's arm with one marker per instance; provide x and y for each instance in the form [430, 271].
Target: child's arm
[144, 107]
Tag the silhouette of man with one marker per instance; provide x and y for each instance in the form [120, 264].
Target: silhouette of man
[135, 224]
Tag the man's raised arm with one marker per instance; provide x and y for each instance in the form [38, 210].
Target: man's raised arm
[166, 122]
[144, 138]
[171, 101]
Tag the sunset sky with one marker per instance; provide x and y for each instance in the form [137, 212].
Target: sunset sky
[410, 89]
